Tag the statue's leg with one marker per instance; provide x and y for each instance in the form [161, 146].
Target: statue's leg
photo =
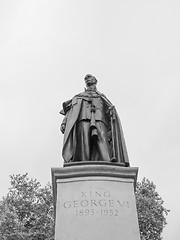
[102, 143]
[83, 143]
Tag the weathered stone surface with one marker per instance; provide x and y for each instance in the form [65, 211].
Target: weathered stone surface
[95, 202]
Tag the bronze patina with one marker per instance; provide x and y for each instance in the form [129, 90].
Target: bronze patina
[92, 129]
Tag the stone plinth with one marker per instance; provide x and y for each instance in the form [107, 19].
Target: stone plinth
[95, 201]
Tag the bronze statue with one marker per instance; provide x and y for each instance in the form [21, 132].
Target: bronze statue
[92, 129]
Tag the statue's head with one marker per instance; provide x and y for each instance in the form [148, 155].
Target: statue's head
[90, 80]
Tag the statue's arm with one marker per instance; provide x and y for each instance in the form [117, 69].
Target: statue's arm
[110, 108]
[65, 111]
[63, 124]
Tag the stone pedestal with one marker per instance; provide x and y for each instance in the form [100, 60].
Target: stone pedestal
[95, 201]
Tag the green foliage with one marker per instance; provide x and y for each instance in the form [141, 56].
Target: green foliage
[151, 213]
[27, 211]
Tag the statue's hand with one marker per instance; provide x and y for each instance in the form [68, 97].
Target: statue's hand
[62, 128]
[111, 110]
[111, 107]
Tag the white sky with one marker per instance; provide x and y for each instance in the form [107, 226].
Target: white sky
[132, 47]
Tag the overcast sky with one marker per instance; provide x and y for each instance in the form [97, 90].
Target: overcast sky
[133, 49]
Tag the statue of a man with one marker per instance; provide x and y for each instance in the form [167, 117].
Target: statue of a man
[92, 129]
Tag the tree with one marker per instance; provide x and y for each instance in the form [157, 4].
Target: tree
[26, 213]
[151, 213]
[27, 210]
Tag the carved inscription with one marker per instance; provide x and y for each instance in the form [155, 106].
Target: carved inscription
[93, 203]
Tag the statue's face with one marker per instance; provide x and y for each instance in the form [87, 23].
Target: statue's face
[90, 81]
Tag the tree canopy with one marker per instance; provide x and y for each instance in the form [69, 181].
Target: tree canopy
[26, 212]
[150, 209]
